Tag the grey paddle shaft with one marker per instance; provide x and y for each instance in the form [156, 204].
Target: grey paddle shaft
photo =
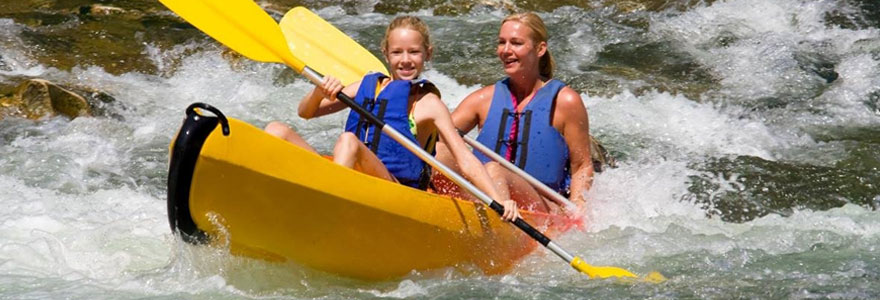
[540, 186]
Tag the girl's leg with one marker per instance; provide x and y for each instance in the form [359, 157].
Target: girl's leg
[284, 132]
[352, 153]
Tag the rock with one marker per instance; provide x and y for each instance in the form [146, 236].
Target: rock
[100, 103]
[37, 98]
[100, 10]
[234, 58]
[3, 65]
[460, 7]
[600, 157]
[630, 6]
[9, 108]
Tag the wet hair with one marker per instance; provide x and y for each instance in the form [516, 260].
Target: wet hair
[539, 34]
[409, 22]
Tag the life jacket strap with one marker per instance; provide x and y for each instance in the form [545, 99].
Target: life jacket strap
[513, 146]
[374, 144]
[501, 125]
[524, 142]
[359, 129]
[363, 125]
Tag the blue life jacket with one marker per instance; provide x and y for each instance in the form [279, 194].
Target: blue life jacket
[539, 148]
[392, 107]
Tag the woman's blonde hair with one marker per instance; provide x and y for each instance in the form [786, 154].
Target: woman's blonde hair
[409, 22]
[539, 34]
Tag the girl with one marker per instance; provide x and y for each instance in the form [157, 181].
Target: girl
[408, 104]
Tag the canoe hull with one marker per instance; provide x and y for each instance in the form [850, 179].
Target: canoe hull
[269, 199]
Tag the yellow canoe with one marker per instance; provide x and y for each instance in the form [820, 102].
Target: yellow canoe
[268, 199]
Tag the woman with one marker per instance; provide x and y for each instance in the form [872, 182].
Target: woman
[531, 119]
[409, 105]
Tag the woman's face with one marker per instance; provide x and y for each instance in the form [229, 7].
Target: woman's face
[519, 54]
[406, 54]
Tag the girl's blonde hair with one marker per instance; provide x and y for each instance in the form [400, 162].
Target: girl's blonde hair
[539, 34]
[409, 22]
[414, 23]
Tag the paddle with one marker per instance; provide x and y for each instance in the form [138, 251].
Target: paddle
[243, 26]
[321, 46]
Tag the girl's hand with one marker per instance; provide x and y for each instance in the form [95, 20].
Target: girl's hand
[510, 211]
[331, 86]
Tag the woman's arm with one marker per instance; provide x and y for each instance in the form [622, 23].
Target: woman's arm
[316, 103]
[575, 123]
[431, 107]
[467, 114]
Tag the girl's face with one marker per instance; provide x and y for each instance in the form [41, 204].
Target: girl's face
[406, 54]
[518, 52]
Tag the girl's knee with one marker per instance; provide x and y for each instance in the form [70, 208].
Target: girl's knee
[276, 128]
[347, 143]
[495, 170]
[347, 138]
[346, 151]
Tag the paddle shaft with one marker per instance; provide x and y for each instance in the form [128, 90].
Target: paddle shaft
[540, 186]
[317, 79]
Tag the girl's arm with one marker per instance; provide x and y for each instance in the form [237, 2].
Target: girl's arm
[431, 107]
[316, 103]
[465, 117]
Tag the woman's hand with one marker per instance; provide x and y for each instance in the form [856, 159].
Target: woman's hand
[331, 86]
[510, 211]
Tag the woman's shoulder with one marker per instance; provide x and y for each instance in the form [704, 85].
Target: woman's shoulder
[477, 100]
[568, 96]
[481, 93]
[569, 104]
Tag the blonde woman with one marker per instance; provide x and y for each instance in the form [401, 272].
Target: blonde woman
[534, 121]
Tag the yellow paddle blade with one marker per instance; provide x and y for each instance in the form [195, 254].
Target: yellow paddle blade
[240, 25]
[326, 49]
[606, 272]
[654, 277]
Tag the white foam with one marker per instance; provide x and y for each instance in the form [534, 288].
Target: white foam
[405, 289]
[452, 92]
[632, 195]
[665, 122]
[859, 78]
[98, 236]
[765, 39]
[12, 56]
[742, 18]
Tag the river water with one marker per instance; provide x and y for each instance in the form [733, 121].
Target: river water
[746, 132]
